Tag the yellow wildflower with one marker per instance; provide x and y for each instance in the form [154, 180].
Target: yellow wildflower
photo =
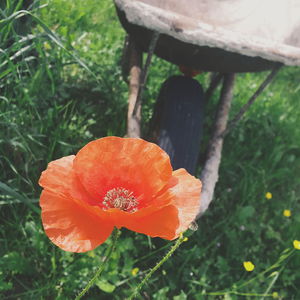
[134, 271]
[296, 244]
[185, 239]
[249, 266]
[47, 46]
[287, 213]
[275, 295]
[269, 195]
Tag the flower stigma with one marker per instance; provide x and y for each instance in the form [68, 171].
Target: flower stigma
[122, 199]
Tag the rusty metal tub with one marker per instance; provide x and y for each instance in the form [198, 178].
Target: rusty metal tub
[217, 35]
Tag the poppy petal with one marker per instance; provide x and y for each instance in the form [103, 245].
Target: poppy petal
[60, 178]
[57, 177]
[161, 223]
[134, 164]
[187, 198]
[70, 225]
[169, 221]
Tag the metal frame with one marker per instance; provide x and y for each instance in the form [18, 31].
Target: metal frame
[137, 81]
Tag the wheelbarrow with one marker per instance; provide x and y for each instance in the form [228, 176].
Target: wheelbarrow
[223, 37]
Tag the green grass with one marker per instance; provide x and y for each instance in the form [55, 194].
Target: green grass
[60, 87]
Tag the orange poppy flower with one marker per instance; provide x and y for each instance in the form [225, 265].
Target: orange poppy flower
[115, 182]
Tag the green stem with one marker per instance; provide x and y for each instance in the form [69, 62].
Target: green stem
[238, 294]
[274, 266]
[163, 260]
[272, 283]
[115, 235]
[285, 259]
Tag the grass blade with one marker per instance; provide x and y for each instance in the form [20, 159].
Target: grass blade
[10, 192]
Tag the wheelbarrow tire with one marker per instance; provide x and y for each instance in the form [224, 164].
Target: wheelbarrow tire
[177, 121]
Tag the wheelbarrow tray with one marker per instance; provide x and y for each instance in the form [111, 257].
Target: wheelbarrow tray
[224, 36]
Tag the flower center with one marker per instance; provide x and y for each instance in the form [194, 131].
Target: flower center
[122, 199]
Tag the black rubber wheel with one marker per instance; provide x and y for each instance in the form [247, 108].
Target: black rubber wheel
[177, 121]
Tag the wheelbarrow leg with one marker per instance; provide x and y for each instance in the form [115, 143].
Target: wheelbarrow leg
[138, 78]
[210, 171]
[134, 56]
[209, 175]
[216, 78]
